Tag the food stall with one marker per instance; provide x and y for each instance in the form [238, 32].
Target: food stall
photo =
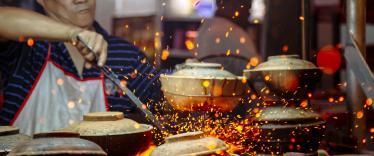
[278, 106]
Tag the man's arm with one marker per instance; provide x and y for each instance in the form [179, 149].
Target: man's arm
[16, 23]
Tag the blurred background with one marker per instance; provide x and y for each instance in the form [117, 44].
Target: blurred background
[316, 30]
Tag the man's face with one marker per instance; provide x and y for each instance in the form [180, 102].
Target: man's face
[77, 12]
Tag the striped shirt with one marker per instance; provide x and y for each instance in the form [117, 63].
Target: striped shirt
[20, 65]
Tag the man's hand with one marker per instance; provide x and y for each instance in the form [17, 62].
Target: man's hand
[92, 47]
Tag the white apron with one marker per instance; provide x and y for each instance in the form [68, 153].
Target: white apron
[58, 99]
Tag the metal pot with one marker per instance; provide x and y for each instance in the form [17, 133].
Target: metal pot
[9, 138]
[113, 132]
[284, 77]
[285, 129]
[57, 143]
[202, 86]
[192, 143]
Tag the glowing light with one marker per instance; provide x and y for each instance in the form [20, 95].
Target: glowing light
[310, 95]
[60, 82]
[285, 48]
[304, 104]
[206, 83]
[371, 130]
[71, 104]
[165, 54]
[228, 52]
[244, 80]
[30, 42]
[236, 13]
[189, 45]
[360, 115]
[267, 78]
[242, 40]
[301, 18]
[218, 40]
[147, 152]
[369, 101]
[331, 99]
[239, 128]
[293, 140]
[253, 96]
[123, 83]
[329, 59]
[227, 34]
[341, 99]
[237, 51]
[256, 21]
[254, 61]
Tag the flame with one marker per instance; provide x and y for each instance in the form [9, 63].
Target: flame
[147, 152]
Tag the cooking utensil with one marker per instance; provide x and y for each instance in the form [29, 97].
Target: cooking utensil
[284, 77]
[202, 87]
[111, 131]
[285, 129]
[57, 143]
[115, 79]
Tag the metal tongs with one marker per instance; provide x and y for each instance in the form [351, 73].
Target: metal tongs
[115, 79]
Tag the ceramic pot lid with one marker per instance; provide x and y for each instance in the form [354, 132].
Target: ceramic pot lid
[286, 114]
[285, 62]
[107, 123]
[203, 70]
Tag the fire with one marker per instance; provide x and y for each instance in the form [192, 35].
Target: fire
[147, 152]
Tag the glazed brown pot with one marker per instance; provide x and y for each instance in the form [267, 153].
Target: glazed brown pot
[117, 135]
[57, 143]
[202, 87]
[9, 138]
[192, 143]
[284, 77]
[285, 129]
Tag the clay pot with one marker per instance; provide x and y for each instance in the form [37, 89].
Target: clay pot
[57, 143]
[202, 87]
[9, 138]
[285, 129]
[285, 76]
[114, 133]
[192, 143]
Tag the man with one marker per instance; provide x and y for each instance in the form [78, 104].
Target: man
[50, 78]
[224, 40]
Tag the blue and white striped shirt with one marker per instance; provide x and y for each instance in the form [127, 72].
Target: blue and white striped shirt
[20, 65]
